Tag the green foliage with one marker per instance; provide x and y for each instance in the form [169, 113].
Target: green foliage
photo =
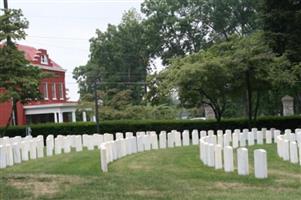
[156, 95]
[178, 28]
[119, 59]
[227, 71]
[283, 28]
[19, 80]
[281, 123]
[139, 112]
[13, 25]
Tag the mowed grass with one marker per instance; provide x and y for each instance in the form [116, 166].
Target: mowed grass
[175, 173]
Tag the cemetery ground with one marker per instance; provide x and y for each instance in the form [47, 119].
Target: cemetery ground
[175, 173]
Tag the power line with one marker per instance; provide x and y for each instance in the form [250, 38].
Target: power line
[58, 38]
[62, 47]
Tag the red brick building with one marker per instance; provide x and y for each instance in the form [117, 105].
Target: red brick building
[55, 107]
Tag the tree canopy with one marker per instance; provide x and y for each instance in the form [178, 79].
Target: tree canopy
[227, 71]
[119, 59]
[177, 27]
[283, 28]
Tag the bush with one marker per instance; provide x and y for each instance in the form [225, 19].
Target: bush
[155, 125]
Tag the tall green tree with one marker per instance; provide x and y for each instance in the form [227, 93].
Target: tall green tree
[283, 28]
[18, 79]
[181, 27]
[119, 57]
[201, 78]
[228, 71]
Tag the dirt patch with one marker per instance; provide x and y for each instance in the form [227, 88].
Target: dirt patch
[148, 193]
[227, 186]
[43, 185]
[285, 174]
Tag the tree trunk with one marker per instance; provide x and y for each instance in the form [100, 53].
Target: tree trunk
[15, 111]
[257, 105]
[249, 97]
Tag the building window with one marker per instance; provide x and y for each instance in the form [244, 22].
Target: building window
[45, 91]
[53, 89]
[44, 60]
[61, 91]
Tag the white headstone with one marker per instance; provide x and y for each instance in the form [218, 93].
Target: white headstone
[268, 137]
[154, 140]
[195, 137]
[235, 139]
[259, 137]
[203, 134]
[146, 142]
[140, 145]
[226, 140]
[242, 161]
[16, 152]
[186, 139]
[9, 155]
[33, 149]
[78, 142]
[251, 139]
[57, 145]
[211, 155]
[129, 134]
[178, 141]
[171, 139]
[40, 147]
[260, 164]
[103, 159]
[285, 150]
[228, 159]
[24, 150]
[294, 152]
[108, 137]
[2, 157]
[119, 135]
[218, 157]
[162, 139]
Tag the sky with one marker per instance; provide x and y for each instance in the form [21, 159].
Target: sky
[64, 27]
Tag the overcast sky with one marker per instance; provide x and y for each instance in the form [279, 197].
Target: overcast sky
[64, 27]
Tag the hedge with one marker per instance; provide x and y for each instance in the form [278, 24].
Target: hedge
[155, 125]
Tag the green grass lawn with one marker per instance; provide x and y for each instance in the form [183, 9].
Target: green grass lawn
[160, 174]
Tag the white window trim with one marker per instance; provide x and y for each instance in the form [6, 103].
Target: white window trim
[45, 91]
[44, 60]
[61, 91]
[53, 90]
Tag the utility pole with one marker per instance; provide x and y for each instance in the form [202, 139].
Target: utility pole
[96, 105]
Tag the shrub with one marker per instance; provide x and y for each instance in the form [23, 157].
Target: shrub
[155, 125]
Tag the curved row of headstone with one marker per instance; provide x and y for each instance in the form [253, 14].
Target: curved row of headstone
[289, 146]
[21, 149]
[217, 150]
[18, 149]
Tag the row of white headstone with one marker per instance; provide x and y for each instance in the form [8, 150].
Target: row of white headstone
[17, 149]
[20, 149]
[289, 146]
[217, 150]
[221, 157]
[145, 141]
